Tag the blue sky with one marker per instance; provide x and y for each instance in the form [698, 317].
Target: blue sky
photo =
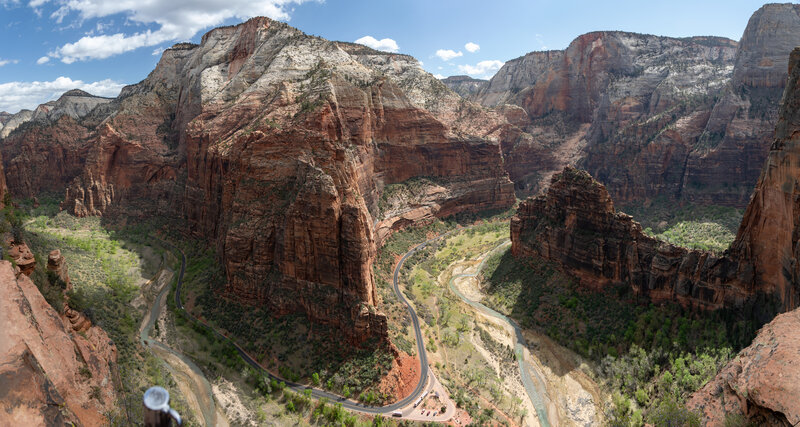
[49, 46]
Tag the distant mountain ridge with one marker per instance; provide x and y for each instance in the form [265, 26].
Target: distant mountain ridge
[465, 86]
[74, 103]
[649, 116]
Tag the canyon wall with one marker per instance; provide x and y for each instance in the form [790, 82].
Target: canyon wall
[770, 230]
[277, 147]
[651, 117]
[576, 226]
[465, 86]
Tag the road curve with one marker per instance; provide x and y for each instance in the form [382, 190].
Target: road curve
[519, 342]
[318, 393]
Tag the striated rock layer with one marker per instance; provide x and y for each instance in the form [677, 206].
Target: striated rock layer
[49, 374]
[651, 117]
[465, 86]
[277, 147]
[770, 231]
[762, 383]
[576, 226]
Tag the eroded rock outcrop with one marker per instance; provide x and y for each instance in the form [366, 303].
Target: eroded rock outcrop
[58, 265]
[575, 225]
[22, 256]
[277, 147]
[761, 384]
[49, 375]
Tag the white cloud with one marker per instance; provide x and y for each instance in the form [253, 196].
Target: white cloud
[177, 20]
[43, 60]
[101, 47]
[15, 96]
[386, 45]
[472, 47]
[480, 68]
[447, 54]
[540, 40]
[8, 61]
[438, 76]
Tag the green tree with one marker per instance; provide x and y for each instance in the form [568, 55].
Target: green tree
[315, 379]
[670, 413]
[641, 397]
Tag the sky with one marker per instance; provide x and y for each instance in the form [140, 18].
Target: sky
[50, 46]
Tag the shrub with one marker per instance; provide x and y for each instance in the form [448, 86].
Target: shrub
[669, 413]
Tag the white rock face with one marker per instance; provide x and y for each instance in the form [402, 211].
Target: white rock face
[640, 65]
[14, 122]
[74, 103]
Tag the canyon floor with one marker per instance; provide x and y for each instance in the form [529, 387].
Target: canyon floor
[470, 353]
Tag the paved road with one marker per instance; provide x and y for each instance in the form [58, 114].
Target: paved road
[317, 393]
[519, 344]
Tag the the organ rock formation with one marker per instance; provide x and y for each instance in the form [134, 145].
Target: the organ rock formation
[294, 155]
[49, 373]
[576, 226]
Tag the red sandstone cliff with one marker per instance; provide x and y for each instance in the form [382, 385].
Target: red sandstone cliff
[277, 147]
[576, 226]
[648, 116]
[770, 229]
[51, 375]
[761, 384]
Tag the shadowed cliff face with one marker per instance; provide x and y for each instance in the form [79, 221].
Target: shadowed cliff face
[278, 146]
[770, 229]
[576, 226]
[683, 119]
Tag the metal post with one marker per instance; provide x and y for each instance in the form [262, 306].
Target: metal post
[157, 412]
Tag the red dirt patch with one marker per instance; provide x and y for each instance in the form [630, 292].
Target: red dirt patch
[403, 378]
[461, 418]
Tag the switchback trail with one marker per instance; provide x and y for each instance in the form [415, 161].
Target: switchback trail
[318, 393]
